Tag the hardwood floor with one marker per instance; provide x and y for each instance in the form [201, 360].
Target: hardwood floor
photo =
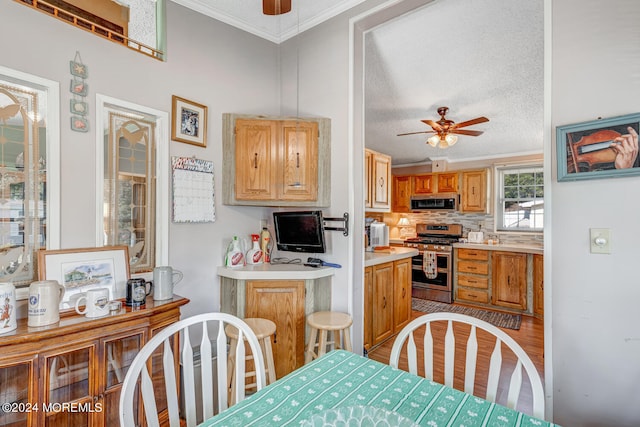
[530, 336]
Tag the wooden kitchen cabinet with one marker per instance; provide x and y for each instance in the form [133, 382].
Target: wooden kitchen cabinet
[382, 317]
[401, 194]
[447, 182]
[276, 161]
[402, 293]
[423, 184]
[379, 182]
[509, 280]
[538, 285]
[368, 308]
[77, 362]
[282, 302]
[472, 273]
[387, 299]
[474, 191]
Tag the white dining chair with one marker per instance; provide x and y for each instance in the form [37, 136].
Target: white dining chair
[165, 382]
[424, 323]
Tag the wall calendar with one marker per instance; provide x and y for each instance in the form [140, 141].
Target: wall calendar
[193, 190]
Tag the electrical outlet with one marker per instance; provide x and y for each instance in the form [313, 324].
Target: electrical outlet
[600, 239]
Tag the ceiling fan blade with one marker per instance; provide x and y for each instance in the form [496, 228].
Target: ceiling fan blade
[435, 125]
[471, 122]
[415, 133]
[467, 132]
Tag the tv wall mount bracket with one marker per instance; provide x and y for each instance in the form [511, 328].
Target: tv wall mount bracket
[344, 219]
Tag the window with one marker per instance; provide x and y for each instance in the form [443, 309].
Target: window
[520, 198]
[29, 173]
[132, 168]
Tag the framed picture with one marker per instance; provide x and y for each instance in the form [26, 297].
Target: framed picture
[79, 87]
[603, 148]
[81, 269]
[78, 69]
[78, 107]
[79, 124]
[188, 122]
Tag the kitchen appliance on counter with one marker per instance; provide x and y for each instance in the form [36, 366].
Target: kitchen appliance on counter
[378, 235]
[432, 268]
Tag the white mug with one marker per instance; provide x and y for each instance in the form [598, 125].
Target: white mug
[96, 302]
[7, 308]
[44, 302]
[164, 279]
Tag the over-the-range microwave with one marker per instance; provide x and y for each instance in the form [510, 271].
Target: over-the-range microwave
[435, 202]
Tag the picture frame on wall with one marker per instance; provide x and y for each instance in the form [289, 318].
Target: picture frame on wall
[79, 270]
[603, 148]
[188, 121]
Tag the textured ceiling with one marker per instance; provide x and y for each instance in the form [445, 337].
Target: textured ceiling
[477, 57]
[247, 15]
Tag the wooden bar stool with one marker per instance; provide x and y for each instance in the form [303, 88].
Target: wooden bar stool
[325, 321]
[264, 329]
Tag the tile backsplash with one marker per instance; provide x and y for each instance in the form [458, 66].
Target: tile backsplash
[470, 222]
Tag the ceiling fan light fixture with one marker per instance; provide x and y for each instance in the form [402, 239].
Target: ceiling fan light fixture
[450, 140]
[433, 140]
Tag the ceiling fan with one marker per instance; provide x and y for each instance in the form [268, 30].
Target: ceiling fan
[276, 7]
[445, 128]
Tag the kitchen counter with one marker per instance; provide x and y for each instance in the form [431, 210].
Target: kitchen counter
[529, 249]
[276, 272]
[396, 253]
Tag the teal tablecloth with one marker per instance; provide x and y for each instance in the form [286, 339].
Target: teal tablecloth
[344, 379]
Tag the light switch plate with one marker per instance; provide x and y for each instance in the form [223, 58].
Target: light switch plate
[600, 239]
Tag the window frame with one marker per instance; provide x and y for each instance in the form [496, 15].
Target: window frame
[162, 173]
[500, 172]
[52, 89]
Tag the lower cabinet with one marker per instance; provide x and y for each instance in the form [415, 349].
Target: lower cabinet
[387, 297]
[503, 279]
[282, 302]
[509, 280]
[71, 373]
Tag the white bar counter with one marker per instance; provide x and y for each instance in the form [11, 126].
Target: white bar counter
[275, 272]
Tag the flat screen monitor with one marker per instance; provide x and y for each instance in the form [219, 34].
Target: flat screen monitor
[299, 231]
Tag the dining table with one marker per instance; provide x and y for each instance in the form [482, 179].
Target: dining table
[343, 388]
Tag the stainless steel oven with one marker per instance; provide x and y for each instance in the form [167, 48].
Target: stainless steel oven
[436, 239]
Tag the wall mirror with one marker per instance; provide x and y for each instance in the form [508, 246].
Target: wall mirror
[29, 173]
[137, 24]
[132, 158]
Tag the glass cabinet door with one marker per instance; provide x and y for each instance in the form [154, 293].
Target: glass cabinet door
[14, 390]
[118, 356]
[70, 388]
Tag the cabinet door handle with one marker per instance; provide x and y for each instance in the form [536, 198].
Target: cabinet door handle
[298, 160]
[255, 160]
[381, 182]
[384, 302]
[404, 292]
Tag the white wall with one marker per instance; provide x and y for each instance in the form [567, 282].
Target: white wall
[596, 320]
[208, 62]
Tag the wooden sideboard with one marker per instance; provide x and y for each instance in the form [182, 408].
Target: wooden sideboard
[70, 373]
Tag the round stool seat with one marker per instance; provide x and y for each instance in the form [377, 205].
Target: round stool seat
[320, 324]
[261, 327]
[264, 329]
[329, 320]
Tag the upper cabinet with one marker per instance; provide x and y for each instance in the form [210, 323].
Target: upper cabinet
[474, 191]
[378, 183]
[401, 196]
[274, 161]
